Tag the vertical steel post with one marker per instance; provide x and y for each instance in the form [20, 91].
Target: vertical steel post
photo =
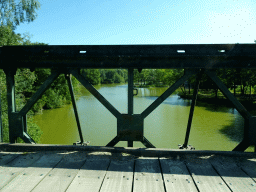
[11, 102]
[1, 125]
[130, 98]
[68, 78]
[191, 113]
[130, 143]
[130, 91]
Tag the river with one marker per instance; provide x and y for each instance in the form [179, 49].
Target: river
[214, 127]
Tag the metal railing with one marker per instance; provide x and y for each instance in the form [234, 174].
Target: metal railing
[195, 59]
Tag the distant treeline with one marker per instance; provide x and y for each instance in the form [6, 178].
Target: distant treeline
[238, 80]
[105, 76]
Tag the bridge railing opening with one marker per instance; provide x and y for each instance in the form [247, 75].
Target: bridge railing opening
[196, 60]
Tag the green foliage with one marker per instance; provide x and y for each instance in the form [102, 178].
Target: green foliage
[8, 37]
[92, 75]
[97, 76]
[112, 75]
[15, 12]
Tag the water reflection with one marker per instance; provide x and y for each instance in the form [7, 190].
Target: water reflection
[214, 127]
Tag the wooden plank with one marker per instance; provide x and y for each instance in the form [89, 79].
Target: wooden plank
[203, 174]
[148, 176]
[176, 176]
[235, 178]
[6, 157]
[119, 177]
[15, 167]
[59, 178]
[32, 175]
[90, 176]
[248, 165]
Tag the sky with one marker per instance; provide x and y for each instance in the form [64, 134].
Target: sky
[123, 22]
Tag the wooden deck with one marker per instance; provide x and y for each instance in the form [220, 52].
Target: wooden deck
[107, 171]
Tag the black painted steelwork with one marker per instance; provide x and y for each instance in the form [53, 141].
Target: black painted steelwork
[1, 124]
[191, 113]
[130, 127]
[68, 78]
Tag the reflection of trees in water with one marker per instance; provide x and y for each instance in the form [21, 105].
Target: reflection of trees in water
[234, 131]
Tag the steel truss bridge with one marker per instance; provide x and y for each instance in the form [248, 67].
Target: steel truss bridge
[195, 59]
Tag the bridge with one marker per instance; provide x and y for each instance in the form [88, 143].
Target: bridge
[196, 59]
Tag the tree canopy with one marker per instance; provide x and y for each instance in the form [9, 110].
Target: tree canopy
[15, 12]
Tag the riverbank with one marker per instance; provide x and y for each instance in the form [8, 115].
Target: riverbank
[248, 101]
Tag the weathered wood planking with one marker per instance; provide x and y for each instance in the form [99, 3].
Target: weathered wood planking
[248, 165]
[90, 176]
[6, 157]
[176, 176]
[32, 175]
[148, 176]
[119, 177]
[235, 178]
[204, 176]
[15, 167]
[59, 178]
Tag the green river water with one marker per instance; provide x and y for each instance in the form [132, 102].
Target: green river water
[213, 128]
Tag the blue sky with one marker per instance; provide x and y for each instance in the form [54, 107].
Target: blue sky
[112, 22]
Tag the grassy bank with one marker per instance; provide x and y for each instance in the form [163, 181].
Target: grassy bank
[248, 101]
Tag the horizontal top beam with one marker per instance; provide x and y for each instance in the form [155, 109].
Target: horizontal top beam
[130, 56]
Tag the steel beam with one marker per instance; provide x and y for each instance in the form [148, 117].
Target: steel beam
[39, 93]
[68, 78]
[130, 91]
[11, 103]
[242, 146]
[27, 139]
[156, 56]
[1, 124]
[147, 144]
[95, 93]
[130, 143]
[239, 107]
[168, 92]
[113, 142]
[192, 109]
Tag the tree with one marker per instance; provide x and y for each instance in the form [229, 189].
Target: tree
[92, 75]
[15, 12]
[8, 37]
